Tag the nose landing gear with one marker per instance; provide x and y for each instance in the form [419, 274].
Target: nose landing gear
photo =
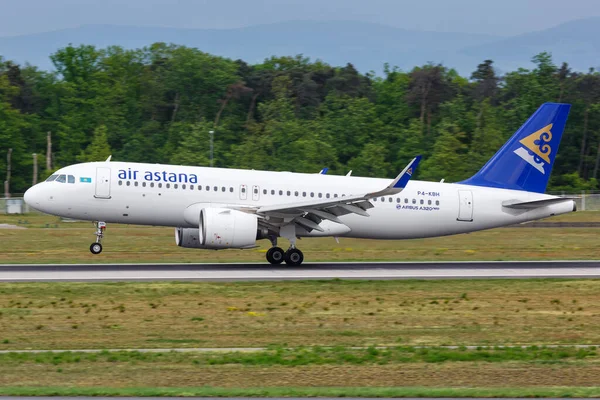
[96, 248]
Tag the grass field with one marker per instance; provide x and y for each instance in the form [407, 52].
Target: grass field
[330, 313]
[310, 329]
[339, 367]
[49, 240]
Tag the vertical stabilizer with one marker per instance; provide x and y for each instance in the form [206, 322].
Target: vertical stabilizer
[525, 161]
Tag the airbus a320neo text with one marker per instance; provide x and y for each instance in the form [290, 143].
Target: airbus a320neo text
[216, 208]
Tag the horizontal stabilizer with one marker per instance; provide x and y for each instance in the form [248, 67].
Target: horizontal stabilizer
[525, 205]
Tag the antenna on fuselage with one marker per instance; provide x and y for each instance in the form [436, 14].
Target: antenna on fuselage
[108, 159]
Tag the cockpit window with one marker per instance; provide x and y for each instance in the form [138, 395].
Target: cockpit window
[71, 179]
[51, 178]
[61, 179]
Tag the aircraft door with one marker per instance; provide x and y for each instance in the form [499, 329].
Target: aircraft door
[243, 192]
[255, 193]
[465, 205]
[102, 183]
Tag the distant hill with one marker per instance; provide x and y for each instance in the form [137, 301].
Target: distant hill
[577, 42]
[368, 46]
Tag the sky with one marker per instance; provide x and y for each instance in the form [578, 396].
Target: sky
[503, 18]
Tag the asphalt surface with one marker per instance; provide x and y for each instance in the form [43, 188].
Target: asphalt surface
[262, 272]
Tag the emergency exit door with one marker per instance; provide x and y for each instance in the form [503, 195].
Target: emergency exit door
[102, 183]
[465, 205]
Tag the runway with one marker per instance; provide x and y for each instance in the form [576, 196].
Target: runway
[325, 271]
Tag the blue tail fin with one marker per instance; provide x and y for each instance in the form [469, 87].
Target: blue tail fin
[525, 161]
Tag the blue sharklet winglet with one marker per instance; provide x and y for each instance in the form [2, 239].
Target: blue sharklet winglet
[401, 180]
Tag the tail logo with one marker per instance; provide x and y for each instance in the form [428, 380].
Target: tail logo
[409, 172]
[537, 149]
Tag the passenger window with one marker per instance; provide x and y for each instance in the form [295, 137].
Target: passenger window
[281, 192]
[437, 202]
[61, 179]
[414, 201]
[71, 179]
[422, 201]
[183, 186]
[391, 199]
[303, 194]
[383, 199]
[143, 184]
[223, 189]
[289, 193]
[231, 189]
[296, 193]
[191, 187]
[405, 201]
[327, 195]
[135, 183]
[216, 188]
[175, 186]
[168, 185]
[51, 178]
[151, 184]
[272, 191]
[264, 191]
[398, 200]
[159, 185]
[429, 202]
[320, 195]
[335, 195]
[207, 188]
[374, 198]
[312, 194]
[128, 183]
[120, 183]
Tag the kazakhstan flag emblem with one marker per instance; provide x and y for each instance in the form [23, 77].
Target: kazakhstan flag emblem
[85, 180]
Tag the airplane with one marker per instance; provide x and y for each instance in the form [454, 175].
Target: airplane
[218, 208]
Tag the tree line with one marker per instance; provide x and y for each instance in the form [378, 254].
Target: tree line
[158, 105]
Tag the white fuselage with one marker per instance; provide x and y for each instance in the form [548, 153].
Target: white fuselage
[155, 194]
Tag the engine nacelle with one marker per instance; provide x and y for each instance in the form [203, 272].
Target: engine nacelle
[220, 228]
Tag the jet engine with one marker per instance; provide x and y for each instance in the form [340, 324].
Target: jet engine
[220, 228]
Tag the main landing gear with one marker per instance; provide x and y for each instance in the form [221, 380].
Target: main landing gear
[292, 257]
[96, 248]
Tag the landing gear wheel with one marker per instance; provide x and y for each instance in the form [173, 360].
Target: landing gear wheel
[294, 257]
[96, 248]
[275, 255]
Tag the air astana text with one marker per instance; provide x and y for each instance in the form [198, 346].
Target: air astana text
[158, 176]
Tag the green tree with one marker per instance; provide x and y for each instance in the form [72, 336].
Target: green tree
[449, 159]
[98, 150]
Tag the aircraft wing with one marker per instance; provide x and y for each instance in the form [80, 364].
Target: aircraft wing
[309, 214]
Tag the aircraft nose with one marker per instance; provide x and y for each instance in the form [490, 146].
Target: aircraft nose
[33, 196]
